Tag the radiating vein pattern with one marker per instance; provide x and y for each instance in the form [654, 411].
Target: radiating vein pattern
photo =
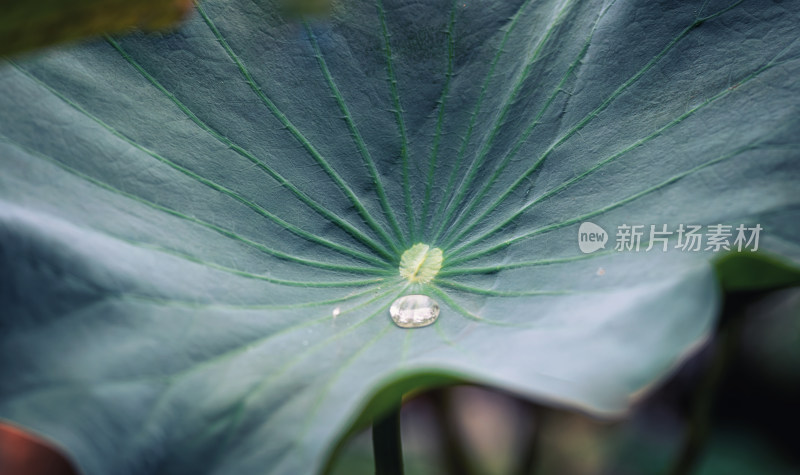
[480, 158]
[472, 185]
[327, 214]
[362, 148]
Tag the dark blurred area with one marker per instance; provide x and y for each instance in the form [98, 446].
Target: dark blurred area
[731, 408]
[22, 453]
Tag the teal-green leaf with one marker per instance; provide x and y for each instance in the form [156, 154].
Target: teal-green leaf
[200, 232]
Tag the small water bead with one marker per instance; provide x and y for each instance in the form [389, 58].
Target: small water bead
[414, 311]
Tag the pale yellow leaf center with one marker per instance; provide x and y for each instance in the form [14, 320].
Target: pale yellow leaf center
[420, 263]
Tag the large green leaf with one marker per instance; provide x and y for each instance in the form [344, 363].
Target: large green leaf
[180, 216]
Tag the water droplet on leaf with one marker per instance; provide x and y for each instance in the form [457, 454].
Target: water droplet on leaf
[412, 311]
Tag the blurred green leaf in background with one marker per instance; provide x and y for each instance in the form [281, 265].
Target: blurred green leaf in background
[28, 24]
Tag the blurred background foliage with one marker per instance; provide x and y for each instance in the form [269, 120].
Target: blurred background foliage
[29, 24]
[25, 25]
